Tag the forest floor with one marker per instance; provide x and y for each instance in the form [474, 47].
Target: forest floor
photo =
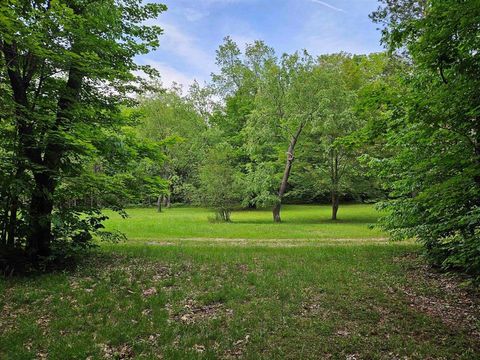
[184, 288]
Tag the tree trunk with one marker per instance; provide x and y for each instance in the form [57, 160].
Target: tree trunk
[41, 205]
[4, 222]
[276, 213]
[167, 201]
[159, 203]
[286, 174]
[335, 204]
[40, 212]
[12, 221]
[335, 178]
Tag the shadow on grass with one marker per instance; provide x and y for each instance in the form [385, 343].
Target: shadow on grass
[367, 220]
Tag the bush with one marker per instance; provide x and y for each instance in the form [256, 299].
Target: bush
[219, 184]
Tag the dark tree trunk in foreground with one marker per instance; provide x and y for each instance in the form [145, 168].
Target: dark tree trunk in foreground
[40, 213]
[41, 206]
[47, 166]
[286, 174]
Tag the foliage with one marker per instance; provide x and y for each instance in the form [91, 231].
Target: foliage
[219, 184]
[66, 73]
[173, 120]
[431, 129]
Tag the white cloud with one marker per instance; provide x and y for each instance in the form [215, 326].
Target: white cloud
[185, 46]
[193, 15]
[170, 75]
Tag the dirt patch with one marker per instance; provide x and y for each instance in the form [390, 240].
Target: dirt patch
[192, 312]
[446, 296]
[123, 351]
[238, 349]
[313, 303]
[285, 243]
[159, 243]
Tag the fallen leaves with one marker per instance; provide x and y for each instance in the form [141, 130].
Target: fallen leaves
[149, 292]
[199, 348]
[120, 352]
[445, 299]
[192, 312]
[238, 349]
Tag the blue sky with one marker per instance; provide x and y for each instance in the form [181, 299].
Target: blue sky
[195, 28]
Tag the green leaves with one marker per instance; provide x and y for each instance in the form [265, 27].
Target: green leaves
[431, 123]
[66, 72]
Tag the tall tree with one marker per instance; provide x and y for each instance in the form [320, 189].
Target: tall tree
[284, 105]
[171, 119]
[67, 66]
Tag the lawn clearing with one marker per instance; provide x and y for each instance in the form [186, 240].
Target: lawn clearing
[299, 222]
[220, 298]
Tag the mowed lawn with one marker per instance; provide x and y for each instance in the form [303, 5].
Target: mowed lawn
[185, 288]
[298, 222]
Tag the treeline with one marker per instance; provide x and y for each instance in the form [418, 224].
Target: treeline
[269, 129]
[403, 127]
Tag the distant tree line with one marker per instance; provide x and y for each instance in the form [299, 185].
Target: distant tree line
[282, 128]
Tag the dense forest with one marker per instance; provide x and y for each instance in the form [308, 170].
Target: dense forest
[84, 128]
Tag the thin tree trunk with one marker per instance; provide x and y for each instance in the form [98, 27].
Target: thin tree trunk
[335, 180]
[159, 203]
[4, 222]
[167, 201]
[286, 174]
[335, 204]
[12, 222]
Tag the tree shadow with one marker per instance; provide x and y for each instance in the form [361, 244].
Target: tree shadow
[310, 221]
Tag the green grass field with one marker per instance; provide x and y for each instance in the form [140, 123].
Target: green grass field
[185, 288]
[299, 222]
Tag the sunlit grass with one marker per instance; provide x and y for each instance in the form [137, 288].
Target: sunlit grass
[299, 222]
[184, 288]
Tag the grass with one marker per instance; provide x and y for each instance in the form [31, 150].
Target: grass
[299, 222]
[201, 293]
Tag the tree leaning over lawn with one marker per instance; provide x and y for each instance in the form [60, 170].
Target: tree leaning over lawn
[285, 103]
[65, 69]
[433, 131]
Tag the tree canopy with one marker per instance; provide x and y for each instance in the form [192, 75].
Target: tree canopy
[66, 73]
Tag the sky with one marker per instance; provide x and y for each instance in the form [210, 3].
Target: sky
[194, 29]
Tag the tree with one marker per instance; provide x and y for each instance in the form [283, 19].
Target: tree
[219, 184]
[432, 129]
[171, 119]
[335, 160]
[65, 69]
[285, 104]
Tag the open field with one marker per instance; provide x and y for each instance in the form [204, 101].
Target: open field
[299, 222]
[251, 289]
